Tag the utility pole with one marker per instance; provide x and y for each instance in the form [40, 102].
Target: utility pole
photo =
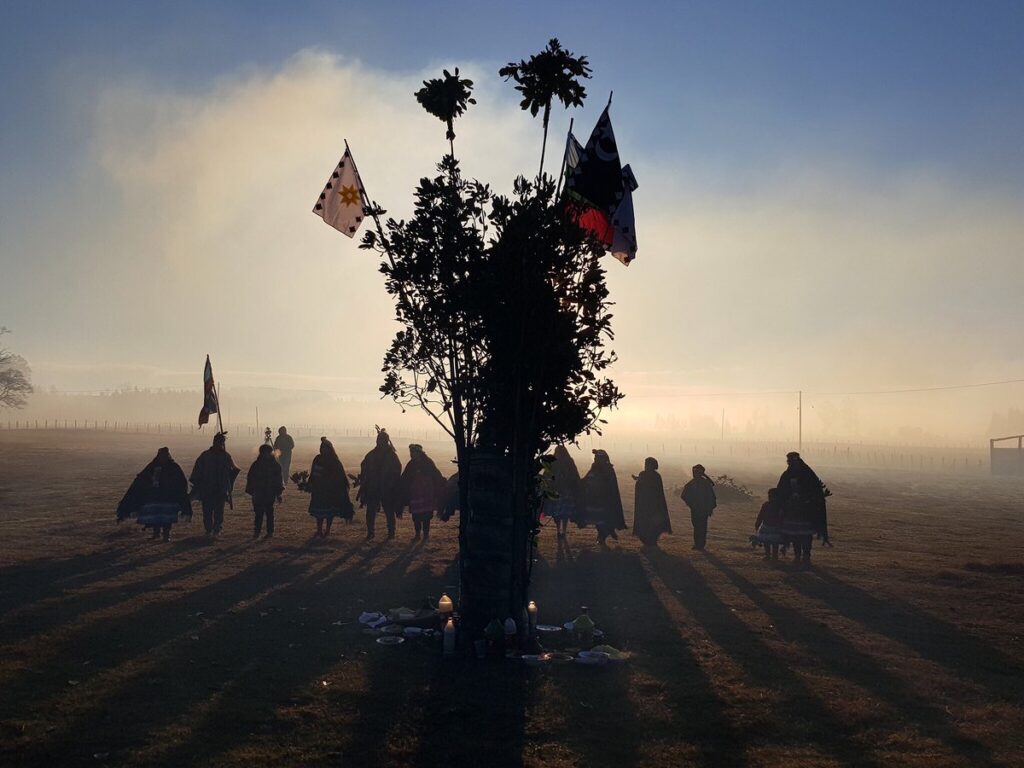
[800, 420]
[723, 424]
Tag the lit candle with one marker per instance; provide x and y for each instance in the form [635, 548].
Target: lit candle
[444, 605]
[531, 610]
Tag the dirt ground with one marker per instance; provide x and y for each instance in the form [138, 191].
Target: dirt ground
[901, 647]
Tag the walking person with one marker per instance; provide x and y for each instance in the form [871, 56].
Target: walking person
[158, 496]
[768, 525]
[213, 478]
[328, 489]
[601, 497]
[265, 486]
[564, 480]
[804, 515]
[380, 476]
[422, 490]
[284, 444]
[699, 496]
[650, 509]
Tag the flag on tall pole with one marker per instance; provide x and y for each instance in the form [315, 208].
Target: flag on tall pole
[341, 202]
[600, 190]
[211, 402]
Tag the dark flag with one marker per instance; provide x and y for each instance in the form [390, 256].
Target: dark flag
[600, 190]
[210, 404]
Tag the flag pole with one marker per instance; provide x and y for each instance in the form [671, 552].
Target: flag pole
[220, 422]
[568, 138]
[609, 99]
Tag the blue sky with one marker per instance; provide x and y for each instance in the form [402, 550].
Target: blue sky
[830, 192]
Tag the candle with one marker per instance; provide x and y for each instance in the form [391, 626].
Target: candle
[444, 605]
[531, 610]
[449, 639]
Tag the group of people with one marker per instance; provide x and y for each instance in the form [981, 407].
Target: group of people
[793, 515]
[160, 496]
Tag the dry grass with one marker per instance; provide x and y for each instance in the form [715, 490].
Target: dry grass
[901, 648]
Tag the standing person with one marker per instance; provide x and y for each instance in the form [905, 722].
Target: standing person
[265, 485]
[565, 481]
[157, 496]
[699, 496]
[328, 489]
[284, 445]
[213, 478]
[650, 511]
[602, 499]
[768, 525]
[422, 490]
[803, 497]
[380, 475]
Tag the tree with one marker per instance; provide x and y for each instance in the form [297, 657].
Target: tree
[504, 314]
[552, 73]
[15, 378]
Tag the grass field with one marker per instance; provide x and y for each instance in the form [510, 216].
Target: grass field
[902, 647]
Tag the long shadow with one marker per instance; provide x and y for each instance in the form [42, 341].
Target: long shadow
[53, 615]
[841, 656]
[963, 654]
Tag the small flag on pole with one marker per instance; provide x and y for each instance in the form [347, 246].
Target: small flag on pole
[341, 202]
[210, 404]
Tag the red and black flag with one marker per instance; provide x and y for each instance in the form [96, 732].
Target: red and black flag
[600, 190]
[210, 404]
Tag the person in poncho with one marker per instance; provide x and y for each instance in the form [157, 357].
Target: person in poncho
[264, 484]
[213, 478]
[603, 504]
[379, 477]
[650, 515]
[563, 479]
[803, 498]
[284, 444]
[422, 490]
[328, 489]
[699, 496]
[158, 496]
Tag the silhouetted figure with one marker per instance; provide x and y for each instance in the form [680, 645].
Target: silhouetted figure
[451, 499]
[650, 509]
[157, 496]
[328, 488]
[803, 498]
[284, 445]
[699, 496]
[213, 478]
[564, 480]
[603, 504]
[380, 475]
[265, 485]
[768, 525]
[422, 490]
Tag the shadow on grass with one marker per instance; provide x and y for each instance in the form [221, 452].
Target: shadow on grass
[843, 658]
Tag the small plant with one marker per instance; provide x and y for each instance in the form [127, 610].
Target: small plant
[301, 480]
[728, 490]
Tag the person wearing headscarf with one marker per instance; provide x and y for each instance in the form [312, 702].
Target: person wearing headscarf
[422, 490]
[650, 511]
[213, 478]
[328, 488]
[562, 478]
[379, 477]
[699, 495]
[158, 496]
[265, 486]
[603, 504]
[284, 444]
[803, 498]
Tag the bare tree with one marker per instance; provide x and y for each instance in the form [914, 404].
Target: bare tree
[15, 384]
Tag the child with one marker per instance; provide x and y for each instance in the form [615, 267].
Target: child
[768, 525]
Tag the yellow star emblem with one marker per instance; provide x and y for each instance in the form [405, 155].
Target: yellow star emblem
[349, 195]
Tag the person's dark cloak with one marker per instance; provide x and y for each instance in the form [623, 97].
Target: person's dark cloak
[804, 497]
[380, 476]
[603, 503]
[699, 495]
[213, 476]
[650, 516]
[566, 483]
[264, 482]
[156, 484]
[422, 487]
[328, 488]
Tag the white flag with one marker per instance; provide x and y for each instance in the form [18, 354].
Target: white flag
[341, 202]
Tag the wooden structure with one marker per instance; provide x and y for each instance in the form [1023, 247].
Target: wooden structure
[1007, 460]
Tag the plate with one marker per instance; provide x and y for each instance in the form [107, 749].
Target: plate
[393, 629]
[535, 659]
[548, 628]
[568, 625]
[390, 640]
[594, 658]
[561, 658]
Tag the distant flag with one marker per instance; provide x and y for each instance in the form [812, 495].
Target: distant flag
[341, 202]
[600, 190]
[210, 404]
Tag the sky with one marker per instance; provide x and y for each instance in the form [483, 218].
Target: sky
[830, 194]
